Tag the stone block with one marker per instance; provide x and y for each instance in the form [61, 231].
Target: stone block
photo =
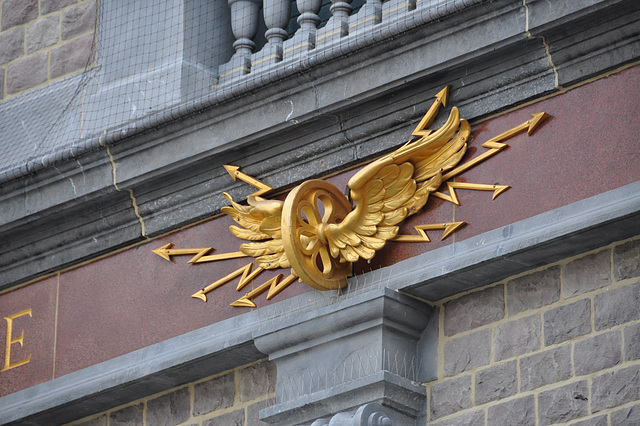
[626, 416]
[42, 33]
[474, 310]
[472, 418]
[72, 56]
[632, 342]
[467, 352]
[521, 412]
[78, 20]
[98, 421]
[517, 337]
[533, 291]
[27, 72]
[615, 388]
[253, 413]
[564, 403]
[18, 12]
[127, 416]
[566, 322]
[496, 382]
[170, 409]
[450, 396]
[626, 260]
[587, 273]
[545, 368]
[594, 421]
[48, 6]
[11, 45]
[257, 380]
[597, 353]
[1, 83]
[235, 418]
[213, 394]
[616, 307]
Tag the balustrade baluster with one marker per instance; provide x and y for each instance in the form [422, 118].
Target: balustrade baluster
[369, 14]
[305, 38]
[276, 18]
[244, 24]
[338, 24]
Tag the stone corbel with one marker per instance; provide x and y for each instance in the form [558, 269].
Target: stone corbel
[367, 415]
[337, 359]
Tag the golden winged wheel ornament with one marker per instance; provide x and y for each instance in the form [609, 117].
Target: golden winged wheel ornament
[319, 232]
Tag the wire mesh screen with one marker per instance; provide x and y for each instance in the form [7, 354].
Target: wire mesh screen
[151, 62]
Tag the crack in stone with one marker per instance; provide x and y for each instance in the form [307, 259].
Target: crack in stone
[544, 43]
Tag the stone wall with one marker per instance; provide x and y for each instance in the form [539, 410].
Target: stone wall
[553, 345]
[232, 398]
[44, 40]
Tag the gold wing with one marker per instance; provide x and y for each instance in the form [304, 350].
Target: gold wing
[396, 186]
[260, 222]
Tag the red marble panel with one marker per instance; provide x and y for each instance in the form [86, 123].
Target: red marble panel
[37, 340]
[135, 298]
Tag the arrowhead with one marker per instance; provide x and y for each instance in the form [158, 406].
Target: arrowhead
[200, 295]
[536, 121]
[443, 95]
[499, 190]
[243, 302]
[232, 170]
[162, 251]
[450, 228]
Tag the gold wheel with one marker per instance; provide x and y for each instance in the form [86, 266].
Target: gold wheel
[307, 210]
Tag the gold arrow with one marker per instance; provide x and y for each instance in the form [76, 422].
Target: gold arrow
[166, 252]
[247, 277]
[441, 99]
[236, 174]
[274, 288]
[453, 197]
[495, 146]
[449, 228]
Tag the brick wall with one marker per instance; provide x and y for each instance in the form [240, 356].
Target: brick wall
[43, 40]
[556, 345]
[232, 398]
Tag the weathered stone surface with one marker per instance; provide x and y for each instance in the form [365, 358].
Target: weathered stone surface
[564, 403]
[533, 291]
[17, 12]
[169, 409]
[78, 20]
[450, 396]
[566, 322]
[632, 342]
[616, 307]
[517, 337]
[594, 421]
[496, 382]
[213, 394]
[26, 73]
[48, 6]
[257, 380]
[587, 273]
[253, 413]
[467, 352]
[1, 83]
[626, 416]
[615, 388]
[11, 45]
[544, 368]
[472, 418]
[127, 416]
[98, 421]
[521, 412]
[597, 353]
[42, 33]
[626, 260]
[72, 56]
[235, 418]
[474, 310]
